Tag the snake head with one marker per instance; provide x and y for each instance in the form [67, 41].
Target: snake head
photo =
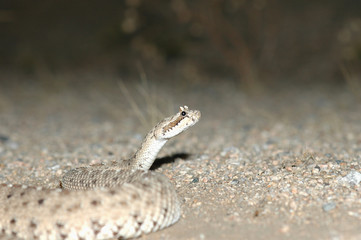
[174, 125]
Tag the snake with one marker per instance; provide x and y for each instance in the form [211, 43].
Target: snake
[117, 200]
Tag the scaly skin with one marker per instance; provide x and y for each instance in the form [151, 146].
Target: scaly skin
[119, 200]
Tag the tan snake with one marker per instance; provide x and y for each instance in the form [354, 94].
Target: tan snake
[117, 200]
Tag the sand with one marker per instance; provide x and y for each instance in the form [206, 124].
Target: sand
[279, 164]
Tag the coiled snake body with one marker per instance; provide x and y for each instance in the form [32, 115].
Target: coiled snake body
[118, 200]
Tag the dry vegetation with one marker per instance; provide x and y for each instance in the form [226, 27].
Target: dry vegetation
[258, 43]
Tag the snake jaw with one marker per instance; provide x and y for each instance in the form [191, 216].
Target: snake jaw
[178, 123]
[160, 134]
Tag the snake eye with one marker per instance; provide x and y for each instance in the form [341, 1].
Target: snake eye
[183, 113]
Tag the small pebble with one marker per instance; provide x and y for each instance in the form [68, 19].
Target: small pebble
[234, 181]
[4, 138]
[285, 229]
[195, 180]
[352, 177]
[13, 145]
[328, 206]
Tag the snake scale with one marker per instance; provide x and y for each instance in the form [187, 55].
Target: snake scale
[104, 201]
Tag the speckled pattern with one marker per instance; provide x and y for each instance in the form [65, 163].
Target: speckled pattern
[117, 200]
[273, 166]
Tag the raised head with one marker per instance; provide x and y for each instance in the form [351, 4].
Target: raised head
[174, 125]
[160, 134]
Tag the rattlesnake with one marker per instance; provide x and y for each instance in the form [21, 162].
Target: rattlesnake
[117, 200]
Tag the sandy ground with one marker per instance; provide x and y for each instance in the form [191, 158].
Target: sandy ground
[278, 165]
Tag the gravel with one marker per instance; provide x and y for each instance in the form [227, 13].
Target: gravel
[275, 166]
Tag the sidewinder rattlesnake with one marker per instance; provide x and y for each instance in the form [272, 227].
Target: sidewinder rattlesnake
[117, 200]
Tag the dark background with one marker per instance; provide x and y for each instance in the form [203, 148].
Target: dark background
[277, 152]
[258, 43]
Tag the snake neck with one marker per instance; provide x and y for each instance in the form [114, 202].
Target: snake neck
[147, 153]
[159, 135]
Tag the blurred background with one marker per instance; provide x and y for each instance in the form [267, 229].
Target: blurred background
[278, 83]
[257, 44]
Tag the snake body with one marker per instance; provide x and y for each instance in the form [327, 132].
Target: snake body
[117, 200]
